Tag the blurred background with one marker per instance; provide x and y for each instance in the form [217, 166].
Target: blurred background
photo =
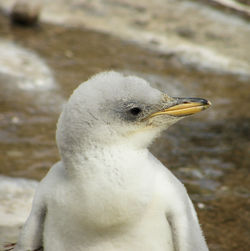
[192, 48]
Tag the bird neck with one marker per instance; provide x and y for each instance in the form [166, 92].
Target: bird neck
[95, 158]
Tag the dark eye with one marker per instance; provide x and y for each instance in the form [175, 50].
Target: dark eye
[135, 111]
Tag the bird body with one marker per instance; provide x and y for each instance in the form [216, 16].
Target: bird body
[106, 210]
[109, 193]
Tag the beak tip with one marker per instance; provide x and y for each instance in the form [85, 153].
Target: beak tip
[203, 101]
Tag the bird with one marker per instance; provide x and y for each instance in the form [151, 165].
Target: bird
[108, 192]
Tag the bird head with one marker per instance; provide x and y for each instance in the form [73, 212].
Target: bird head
[111, 109]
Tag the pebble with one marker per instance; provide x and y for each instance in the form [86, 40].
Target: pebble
[15, 120]
[201, 205]
[25, 12]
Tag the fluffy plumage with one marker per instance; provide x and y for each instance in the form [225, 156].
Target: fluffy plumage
[108, 192]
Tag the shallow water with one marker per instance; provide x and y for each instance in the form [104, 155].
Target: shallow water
[208, 152]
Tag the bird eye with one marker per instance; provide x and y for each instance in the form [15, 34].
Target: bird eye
[135, 111]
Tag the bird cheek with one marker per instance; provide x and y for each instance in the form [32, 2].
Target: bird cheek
[162, 121]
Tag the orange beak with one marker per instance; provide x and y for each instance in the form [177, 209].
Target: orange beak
[184, 107]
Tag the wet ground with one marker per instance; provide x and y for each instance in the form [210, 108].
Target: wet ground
[209, 152]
